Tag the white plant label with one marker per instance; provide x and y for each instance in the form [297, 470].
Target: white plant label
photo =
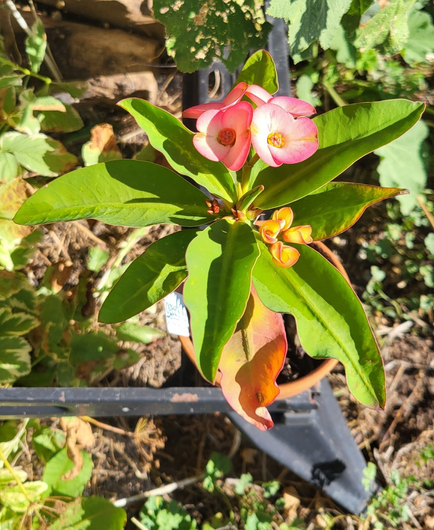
[176, 315]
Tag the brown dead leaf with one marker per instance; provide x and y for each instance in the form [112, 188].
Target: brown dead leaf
[79, 435]
[292, 502]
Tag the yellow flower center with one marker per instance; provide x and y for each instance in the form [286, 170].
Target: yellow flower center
[276, 140]
[227, 136]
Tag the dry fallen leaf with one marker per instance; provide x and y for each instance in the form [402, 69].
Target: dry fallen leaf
[79, 435]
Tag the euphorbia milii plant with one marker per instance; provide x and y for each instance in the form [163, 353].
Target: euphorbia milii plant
[267, 164]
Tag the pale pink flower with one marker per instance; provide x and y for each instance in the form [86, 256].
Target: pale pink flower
[232, 98]
[224, 135]
[294, 106]
[279, 138]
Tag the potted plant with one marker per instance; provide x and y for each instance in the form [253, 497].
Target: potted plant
[253, 153]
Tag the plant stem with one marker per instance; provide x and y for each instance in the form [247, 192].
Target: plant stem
[335, 96]
[138, 524]
[16, 477]
[247, 170]
[424, 207]
[25, 71]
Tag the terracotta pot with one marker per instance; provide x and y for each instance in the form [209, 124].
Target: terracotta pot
[292, 388]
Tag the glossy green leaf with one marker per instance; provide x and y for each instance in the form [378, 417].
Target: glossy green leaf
[260, 70]
[337, 206]
[121, 192]
[219, 263]
[331, 322]
[345, 135]
[169, 136]
[149, 278]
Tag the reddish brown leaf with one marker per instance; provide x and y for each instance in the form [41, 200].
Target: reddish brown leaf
[251, 362]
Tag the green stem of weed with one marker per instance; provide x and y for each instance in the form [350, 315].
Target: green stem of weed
[25, 71]
[335, 96]
[16, 477]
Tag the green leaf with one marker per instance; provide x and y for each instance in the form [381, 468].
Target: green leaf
[94, 354]
[38, 153]
[260, 70]
[309, 21]
[15, 499]
[420, 41]
[358, 7]
[149, 278]
[158, 514]
[47, 442]
[198, 32]
[219, 263]
[123, 192]
[10, 283]
[102, 146]
[36, 44]
[58, 466]
[91, 513]
[167, 135]
[6, 477]
[135, 333]
[304, 90]
[402, 164]
[331, 322]
[388, 29]
[12, 196]
[14, 358]
[337, 206]
[345, 135]
[10, 80]
[9, 167]
[97, 259]
[55, 121]
[15, 324]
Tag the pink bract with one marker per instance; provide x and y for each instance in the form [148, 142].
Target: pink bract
[224, 135]
[296, 107]
[279, 138]
[232, 98]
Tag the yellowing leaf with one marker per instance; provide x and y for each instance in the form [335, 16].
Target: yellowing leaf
[251, 362]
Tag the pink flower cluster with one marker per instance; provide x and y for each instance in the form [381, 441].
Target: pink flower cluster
[277, 128]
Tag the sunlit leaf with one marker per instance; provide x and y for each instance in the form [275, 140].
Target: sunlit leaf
[199, 32]
[260, 69]
[121, 192]
[219, 262]
[18, 501]
[251, 362]
[12, 196]
[402, 164]
[337, 206]
[149, 278]
[38, 153]
[331, 322]
[57, 467]
[14, 358]
[136, 333]
[102, 146]
[309, 21]
[91, 513]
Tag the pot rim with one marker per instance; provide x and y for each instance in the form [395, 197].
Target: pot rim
[305, 382]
